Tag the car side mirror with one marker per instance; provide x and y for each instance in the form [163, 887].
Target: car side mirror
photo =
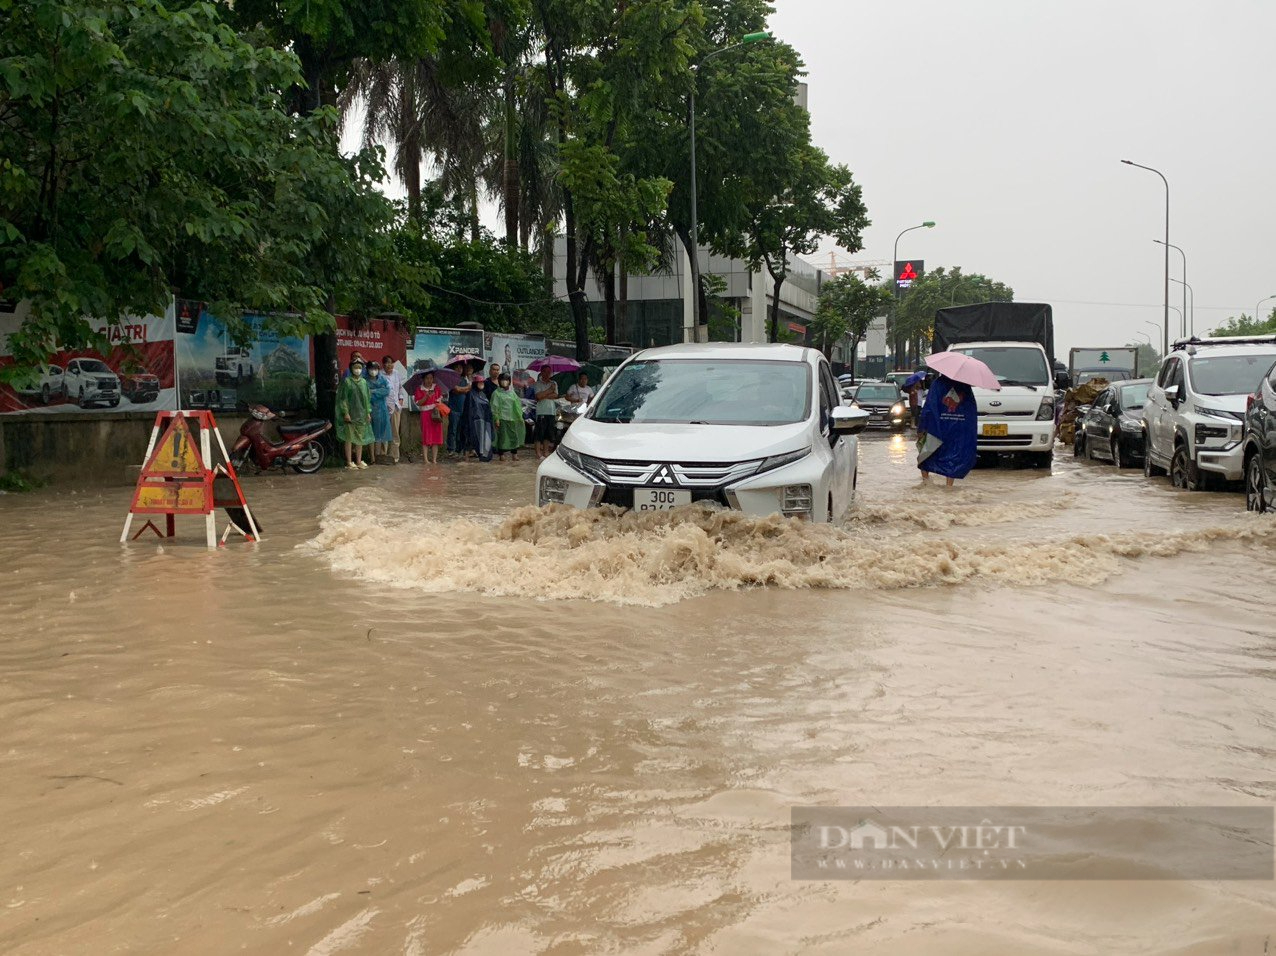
[849, 421]
[1175, 395]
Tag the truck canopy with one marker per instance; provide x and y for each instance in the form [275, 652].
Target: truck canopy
[995, 322]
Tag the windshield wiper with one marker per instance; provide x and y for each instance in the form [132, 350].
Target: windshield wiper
[1011, 381]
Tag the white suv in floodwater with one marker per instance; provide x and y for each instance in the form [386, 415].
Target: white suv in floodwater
[1195, 410]
[758, 428]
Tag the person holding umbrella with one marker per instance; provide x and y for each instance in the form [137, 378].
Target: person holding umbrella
[434, 417]
[546, 412]
[948, 433]
[913, 386]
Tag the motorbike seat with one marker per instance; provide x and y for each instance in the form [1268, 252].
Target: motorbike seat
[297, 428]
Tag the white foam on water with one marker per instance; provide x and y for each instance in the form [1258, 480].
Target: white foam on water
[659, 558]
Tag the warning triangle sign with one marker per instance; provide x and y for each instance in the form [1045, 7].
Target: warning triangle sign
[176, 454]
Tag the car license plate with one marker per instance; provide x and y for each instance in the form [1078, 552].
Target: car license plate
[658, 499]
[996, 431]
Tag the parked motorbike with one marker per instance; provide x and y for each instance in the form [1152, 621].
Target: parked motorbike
[300, 447]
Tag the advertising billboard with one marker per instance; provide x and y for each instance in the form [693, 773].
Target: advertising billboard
[374, 339]
[440, 346]
[217, 373]
[514, 353]
[134, 373]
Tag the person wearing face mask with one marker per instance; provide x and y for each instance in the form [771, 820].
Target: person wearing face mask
[354, 415]
[379, 395]
[396, 377]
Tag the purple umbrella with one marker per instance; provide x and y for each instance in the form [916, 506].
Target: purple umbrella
[466, 360]
[446, 379]
[555, 363]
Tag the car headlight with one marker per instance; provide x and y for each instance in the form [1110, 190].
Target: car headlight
[1129, 425]
[1206, 432]
[897, 409]
[585, 464]
[779, 461]
[553, 491]
[1046, 412]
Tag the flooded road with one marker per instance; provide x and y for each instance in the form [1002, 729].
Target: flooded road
[417, 719]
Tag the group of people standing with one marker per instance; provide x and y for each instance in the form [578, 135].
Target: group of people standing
[478, 418]
[370, 403]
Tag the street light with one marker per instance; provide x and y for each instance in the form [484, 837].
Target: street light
[1166, 330]
[1260, 302]
[746, 40]
[1189, 295]
[928, 224]
[1182, 318]
[1161, 242]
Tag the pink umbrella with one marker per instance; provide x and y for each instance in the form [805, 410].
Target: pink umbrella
[555, 363]
[466, 360]
[964, 368]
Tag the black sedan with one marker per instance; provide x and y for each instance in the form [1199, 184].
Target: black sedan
[1260, 446]
[1112, 427]
[886, 405]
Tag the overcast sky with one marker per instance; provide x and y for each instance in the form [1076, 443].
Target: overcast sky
[1005, 122]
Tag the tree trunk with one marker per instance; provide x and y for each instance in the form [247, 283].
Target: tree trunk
[576, 272]
[609, 296]
[476, 229]
[511, 182]
[777, 284]
[411, 163]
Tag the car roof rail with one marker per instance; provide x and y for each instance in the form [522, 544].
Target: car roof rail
[1193, 342]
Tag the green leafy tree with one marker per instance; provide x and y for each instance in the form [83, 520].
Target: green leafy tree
[1149, 358]
[1246, 325]
[144, 149]
[847, 307]
[816, 199]
[913, 318]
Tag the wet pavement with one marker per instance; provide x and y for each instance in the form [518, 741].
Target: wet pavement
[422, 718]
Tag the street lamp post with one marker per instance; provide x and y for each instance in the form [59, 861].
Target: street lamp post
[1166, 330]
[928, 224]
[1260, 302]
[1189, 296]
[1191, 316]
[745, 40]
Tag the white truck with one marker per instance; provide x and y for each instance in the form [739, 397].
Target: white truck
[1117, 364]
[1016, 341]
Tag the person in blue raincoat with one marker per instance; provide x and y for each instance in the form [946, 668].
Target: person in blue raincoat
[948, 431]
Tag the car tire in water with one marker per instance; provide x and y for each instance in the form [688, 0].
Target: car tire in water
[1118, 456]
[310, 458]
[1255, 484]
[1149, 470]
[1183, 472]
[1078, 445]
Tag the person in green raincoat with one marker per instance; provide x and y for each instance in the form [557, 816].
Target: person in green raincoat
[354, 415]
[507, 414]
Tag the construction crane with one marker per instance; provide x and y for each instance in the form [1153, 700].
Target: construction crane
[865, 269]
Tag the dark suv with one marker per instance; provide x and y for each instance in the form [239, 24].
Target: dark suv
[1260, 445]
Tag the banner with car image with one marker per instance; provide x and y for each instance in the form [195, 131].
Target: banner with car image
[218, 374]
[135, 373]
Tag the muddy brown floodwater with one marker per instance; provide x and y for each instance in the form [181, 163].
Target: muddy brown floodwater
[417, 719]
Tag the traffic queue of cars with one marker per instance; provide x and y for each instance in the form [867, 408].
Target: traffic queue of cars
[1206, 419]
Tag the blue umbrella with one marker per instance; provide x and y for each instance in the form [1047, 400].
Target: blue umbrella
[914, 379]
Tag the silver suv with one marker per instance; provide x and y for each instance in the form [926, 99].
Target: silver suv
[1195, 409]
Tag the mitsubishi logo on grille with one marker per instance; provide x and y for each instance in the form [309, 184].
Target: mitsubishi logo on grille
[664, 476]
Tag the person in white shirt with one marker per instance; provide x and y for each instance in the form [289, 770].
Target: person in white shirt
[581, 392]
[396, 377]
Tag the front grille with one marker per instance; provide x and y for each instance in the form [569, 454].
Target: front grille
[1007, 441]
[691, 475]
[106, 384]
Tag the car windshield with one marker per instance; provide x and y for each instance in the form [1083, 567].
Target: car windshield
[707, 392]
[1013, 366]
[1229, 374]
[1109, 375]
[1134, 397]
[876, 393]
[93, 365]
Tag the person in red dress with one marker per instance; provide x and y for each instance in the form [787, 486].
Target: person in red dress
[433, 417]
